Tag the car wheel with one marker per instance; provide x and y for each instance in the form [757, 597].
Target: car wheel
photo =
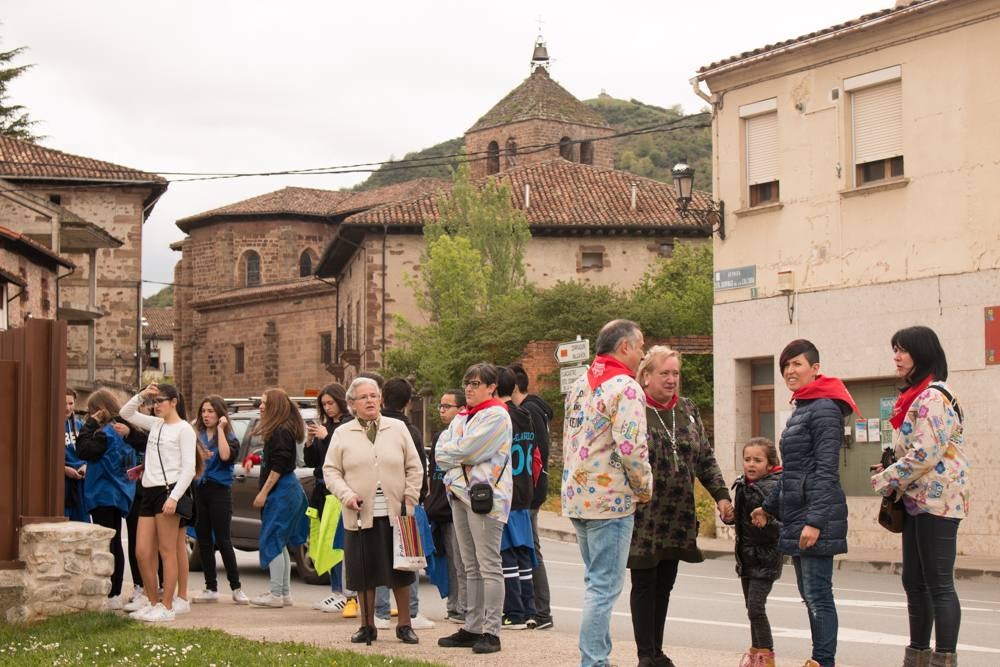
[194, 555]
[305, 567]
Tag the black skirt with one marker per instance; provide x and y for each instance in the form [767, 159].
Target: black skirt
[368, 558]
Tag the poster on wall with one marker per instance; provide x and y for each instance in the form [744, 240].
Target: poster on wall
[874, 429]
[861, 430]
[885, 405]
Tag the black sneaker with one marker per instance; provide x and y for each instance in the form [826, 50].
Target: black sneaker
[531, 623]
[542, 623]
[461, 639]
[487, 644]
[509, 623]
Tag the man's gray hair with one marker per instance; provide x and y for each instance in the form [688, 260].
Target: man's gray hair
[614, 332]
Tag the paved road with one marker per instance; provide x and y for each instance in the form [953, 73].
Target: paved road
[707, 612]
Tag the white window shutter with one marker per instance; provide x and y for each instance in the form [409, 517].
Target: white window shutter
[762, 148]
[878, 122]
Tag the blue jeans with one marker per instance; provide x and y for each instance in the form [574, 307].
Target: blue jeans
[280, 570]
[604, 545]
[814, 576]
[382, 608]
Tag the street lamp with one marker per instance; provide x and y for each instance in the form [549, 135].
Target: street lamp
[684, 187]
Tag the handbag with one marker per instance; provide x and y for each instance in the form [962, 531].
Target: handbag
[890, 514]
[185, 504]
[481, 493]
[407, 549]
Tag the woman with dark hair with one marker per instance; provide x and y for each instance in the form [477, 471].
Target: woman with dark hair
[332, 406]
[107, 490]
[931, 475]
[214, 497]
[75, 468]
[808, 500]
[283, 519]
[170, 468]
[475, 452]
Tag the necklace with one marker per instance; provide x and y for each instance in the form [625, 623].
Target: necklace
[672, 433]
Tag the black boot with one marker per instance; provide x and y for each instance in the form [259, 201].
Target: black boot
[364, 634]
[405, 634]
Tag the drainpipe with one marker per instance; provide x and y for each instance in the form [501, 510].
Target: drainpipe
[385, 235]
[696, 87]
[138, 335]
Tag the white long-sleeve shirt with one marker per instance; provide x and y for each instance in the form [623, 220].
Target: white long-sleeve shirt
[173, 443]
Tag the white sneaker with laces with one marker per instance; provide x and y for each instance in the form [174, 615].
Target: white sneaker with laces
[138, 604]
[383, 623]
[137, 593]
[181, 606]
[419, 622]
[206, 596]
[287, 599]
[268, 599]
[331, 604]
[116, 603]
[239, 597]
[157, 614]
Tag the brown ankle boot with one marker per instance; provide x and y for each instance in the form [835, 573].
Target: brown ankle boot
[915, 657]
[943, 659]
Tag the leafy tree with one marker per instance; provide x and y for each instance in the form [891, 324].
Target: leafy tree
[14, 118]
[674, 298]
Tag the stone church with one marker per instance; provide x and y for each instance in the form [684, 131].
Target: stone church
[301, 287]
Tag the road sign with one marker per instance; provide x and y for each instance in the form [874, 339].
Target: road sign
[573, 351]
[568, 375]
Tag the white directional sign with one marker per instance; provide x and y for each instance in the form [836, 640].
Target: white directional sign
[573, 351]
[568, 375]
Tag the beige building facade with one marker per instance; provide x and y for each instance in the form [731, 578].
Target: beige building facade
[858, 165]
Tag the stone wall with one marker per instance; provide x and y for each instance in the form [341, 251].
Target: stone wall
[39, 298]
[67, 569]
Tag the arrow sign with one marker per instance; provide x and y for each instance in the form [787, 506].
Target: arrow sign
[569, 375]
[573, 351]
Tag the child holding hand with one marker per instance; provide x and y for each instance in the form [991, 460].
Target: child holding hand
[758, 560]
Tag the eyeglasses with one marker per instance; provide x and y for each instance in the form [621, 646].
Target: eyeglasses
[161, 399]
[446, 406]
[475, 384]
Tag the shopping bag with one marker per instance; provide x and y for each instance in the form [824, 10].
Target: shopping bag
[407, 548]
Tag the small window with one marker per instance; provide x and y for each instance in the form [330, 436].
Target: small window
[3, 306]
[764, 193]
[325, 348]
[493, 158]
[56, 199]
[510, 153]
[587, 152]
[879, 170]
[877, 117]
[592, 259]
[251, 269]
[762, 158]
[566, 148]
[666, 249]
[238, 364]
[305, 264]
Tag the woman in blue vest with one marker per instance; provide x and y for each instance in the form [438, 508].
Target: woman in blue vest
[75, 467]
[107, 490]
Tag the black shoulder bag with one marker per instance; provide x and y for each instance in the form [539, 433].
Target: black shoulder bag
[481, 493]
[185, 506]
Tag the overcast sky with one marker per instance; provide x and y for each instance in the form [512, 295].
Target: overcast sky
[228, 86]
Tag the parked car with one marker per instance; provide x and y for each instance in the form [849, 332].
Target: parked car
[246, 519]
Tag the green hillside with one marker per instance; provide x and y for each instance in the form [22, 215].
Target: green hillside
[162, 299]
[652, 155]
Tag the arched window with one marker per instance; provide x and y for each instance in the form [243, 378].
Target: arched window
[493, 158]
[510, 152]
[251, 269]
[305, 263]
[566, 148]
[587, 152]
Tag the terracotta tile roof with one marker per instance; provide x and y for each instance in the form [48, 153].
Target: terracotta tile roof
[315, 202]
[770, 50]
[539, 96]
[564, 194]
[23, 159]
[159, 323]
[26, 246]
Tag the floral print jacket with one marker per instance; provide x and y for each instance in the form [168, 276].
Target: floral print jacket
[605, 460]
[931, 473]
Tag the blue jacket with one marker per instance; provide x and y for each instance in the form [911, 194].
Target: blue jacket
[216, 469]
[73, 489]
[108, 457]
[809, 492]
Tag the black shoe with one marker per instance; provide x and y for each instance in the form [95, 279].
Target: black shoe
[405, 634]
[461, 639]
[487, 644]
[541, 623]
[647, 662]
[663, 661]
[365, 634]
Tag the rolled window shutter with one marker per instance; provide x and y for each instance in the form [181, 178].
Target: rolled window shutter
[878, 122]
[762, 149]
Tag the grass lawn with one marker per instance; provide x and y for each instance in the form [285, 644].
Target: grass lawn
[106, 639]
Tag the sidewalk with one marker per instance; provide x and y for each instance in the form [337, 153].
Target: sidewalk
[557, 527]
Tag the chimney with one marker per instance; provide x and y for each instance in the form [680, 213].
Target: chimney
[527, 196]
[635, 189]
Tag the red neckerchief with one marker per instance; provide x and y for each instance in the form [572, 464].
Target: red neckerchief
[653, 403]
[488, 403]
[605, 367]
[826, 387]
[905, 400]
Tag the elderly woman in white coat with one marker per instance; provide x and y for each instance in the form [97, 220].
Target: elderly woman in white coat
[373, 467]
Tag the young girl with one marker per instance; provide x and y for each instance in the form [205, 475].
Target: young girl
[758, 560]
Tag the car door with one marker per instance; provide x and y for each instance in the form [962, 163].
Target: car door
[245, 526]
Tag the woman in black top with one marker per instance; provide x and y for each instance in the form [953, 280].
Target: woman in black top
[283, 519]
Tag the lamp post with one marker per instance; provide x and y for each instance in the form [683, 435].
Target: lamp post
[714, 215]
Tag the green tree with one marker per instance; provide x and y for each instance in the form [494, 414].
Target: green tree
[162, 299]
[14, 118]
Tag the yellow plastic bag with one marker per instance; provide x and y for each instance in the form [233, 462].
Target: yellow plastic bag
[322, 533]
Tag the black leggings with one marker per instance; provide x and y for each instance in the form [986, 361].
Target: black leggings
[649, 600]
[929, 543]
[755, 592]
[212, 518]
[111, 517]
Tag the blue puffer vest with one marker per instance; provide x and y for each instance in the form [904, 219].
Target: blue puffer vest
[106, 484]
[809, 492]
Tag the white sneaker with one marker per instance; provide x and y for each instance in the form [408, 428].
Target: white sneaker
[116, 603]
[331, 604]
[157, 614]
[419, 622]
[137, 593]
[383, 623]
[137, 604]
[181, 606]
[287, 600]
[268, 600]
[206, 596]
[239, 597]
